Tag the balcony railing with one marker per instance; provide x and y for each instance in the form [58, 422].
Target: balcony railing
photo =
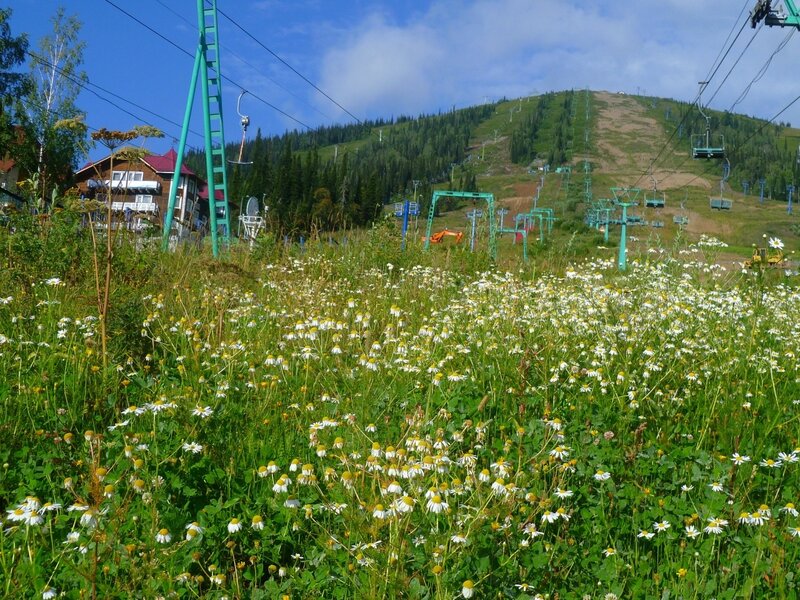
[137, 207]
[137, 187]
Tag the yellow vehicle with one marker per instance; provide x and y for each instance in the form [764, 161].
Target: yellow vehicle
[766, 257]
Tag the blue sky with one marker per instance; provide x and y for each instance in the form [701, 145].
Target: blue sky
[384, 58]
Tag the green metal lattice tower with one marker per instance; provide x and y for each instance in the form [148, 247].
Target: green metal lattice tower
[489, 198]
[207, 68]
[624, 198]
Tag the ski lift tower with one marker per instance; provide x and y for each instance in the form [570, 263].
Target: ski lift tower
[764, 11]
[489, 198]
[207, 69]
[472, 217]
[624, 198]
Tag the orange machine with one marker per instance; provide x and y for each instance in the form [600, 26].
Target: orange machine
[440, 235]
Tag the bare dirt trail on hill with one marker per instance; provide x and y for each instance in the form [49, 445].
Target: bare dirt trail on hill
[622, 122]
[626, 140]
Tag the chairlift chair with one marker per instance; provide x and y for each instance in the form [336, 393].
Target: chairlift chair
[701, 143]
[655, 200]
[245, 121]
[722, 203]
[702, 146]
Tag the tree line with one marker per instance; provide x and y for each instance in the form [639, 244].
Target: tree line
[310, 184]
[41, 127]
[546, 134]
[756, 149]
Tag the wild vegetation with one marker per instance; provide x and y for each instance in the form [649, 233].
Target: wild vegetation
[355, 422]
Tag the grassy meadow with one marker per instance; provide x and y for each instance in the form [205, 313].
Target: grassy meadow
[355, 422]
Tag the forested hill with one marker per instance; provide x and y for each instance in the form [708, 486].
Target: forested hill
[342, 176]
[755, 148]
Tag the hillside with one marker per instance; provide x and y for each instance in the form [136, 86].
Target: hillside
[629, 135]
[342, 176]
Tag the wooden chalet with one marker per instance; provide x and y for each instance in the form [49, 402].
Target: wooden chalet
[139, 189]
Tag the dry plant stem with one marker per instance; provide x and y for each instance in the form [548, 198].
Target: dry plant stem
[95, 263]
[107, 283]
[110, 139]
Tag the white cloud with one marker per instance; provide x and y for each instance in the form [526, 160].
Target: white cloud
[459, 51]
[384, 68]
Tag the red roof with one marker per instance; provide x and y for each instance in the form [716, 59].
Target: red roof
[203, 193]
[6, 162]
[166, 163]
[160, 163]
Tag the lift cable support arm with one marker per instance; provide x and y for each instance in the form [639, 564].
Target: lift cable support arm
[763, 11]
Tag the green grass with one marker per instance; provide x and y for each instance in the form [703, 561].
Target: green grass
[505, 393]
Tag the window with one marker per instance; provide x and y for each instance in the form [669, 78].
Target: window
[127, 176]
[144, 198]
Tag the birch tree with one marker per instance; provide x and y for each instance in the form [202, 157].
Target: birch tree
[56, 80]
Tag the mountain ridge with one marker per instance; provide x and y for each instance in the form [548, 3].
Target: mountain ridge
[625, 140]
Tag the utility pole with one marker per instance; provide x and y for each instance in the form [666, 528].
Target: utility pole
[538, 191]
[416, 183]
[502, 212]
[473, 217]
